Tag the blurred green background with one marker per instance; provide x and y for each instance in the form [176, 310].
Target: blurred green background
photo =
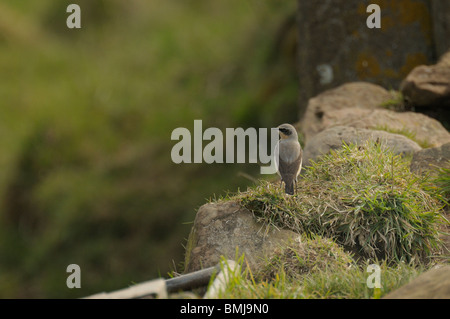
[86, 117]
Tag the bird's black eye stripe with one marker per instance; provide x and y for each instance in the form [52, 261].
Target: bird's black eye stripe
[285, 131]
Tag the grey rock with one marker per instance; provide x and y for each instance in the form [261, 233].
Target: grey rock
[430, 159]
[444, 60]
[440, 12]
[221, 228]
[423, 128]
[427, 86]
[334, 39]
[433, 284]
[334, 137]
[359, 95]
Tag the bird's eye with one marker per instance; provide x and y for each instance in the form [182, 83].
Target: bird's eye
[285, 131]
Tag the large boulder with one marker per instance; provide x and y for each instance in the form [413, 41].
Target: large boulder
[336, 46]
[433, 284]
[422, 128]
[360, 95]
[444, 61]
[440, 12]
[224, 228]
[427, 86]
[334, 137]
[427, 89]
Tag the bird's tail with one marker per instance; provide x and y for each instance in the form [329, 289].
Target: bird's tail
[289, 187]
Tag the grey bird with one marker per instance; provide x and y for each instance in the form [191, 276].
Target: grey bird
[289, 157]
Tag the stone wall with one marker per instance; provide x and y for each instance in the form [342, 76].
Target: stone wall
[336, 46]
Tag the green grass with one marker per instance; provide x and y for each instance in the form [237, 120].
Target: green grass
[442, 181]
[85, 123]
[363, 197]
[333, 282]
[304, 256]
[356, 207]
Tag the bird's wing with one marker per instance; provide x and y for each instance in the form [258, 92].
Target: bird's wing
[276, 156]
[290, 170]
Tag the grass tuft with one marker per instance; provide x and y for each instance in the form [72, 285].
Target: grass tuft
[304, 256]
[443, 183]
[332, 282]
[363, 197]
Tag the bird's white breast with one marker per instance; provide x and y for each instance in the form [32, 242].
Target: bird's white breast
[289, 150]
